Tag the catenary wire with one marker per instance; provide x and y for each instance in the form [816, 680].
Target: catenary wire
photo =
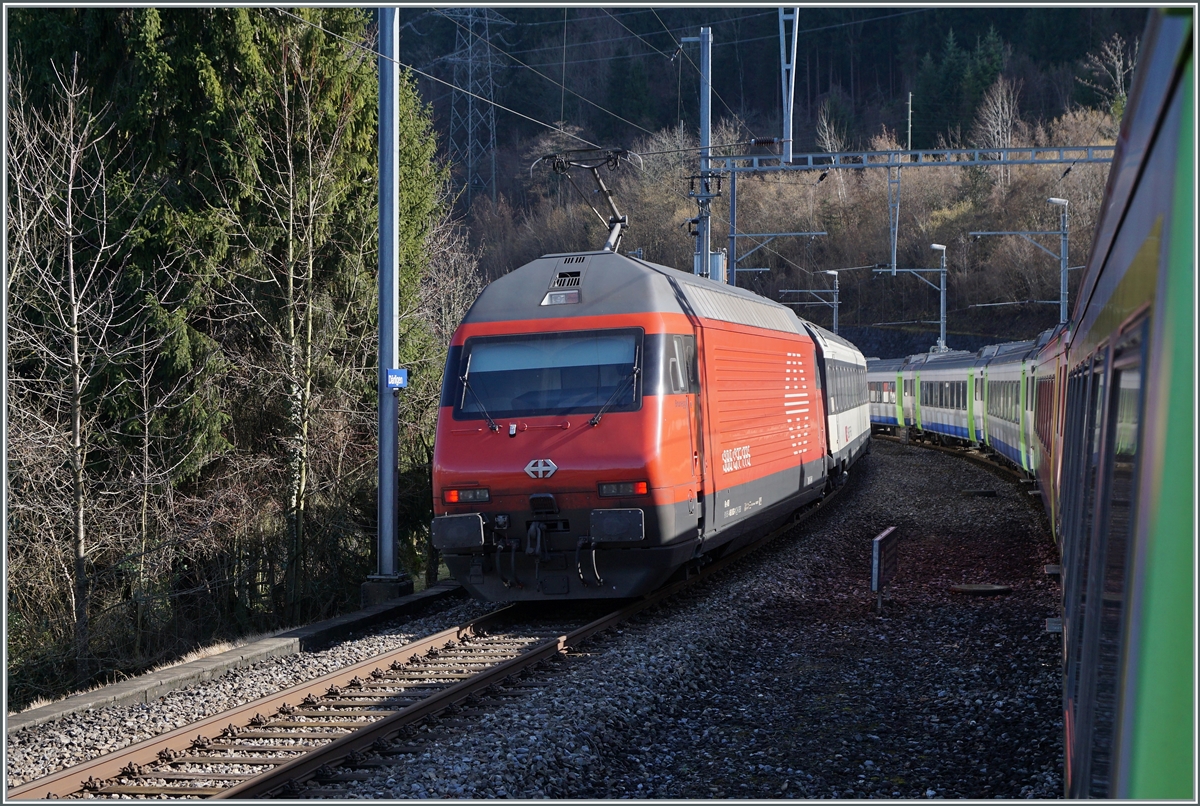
[671, 31]
[435, 78]
[639, 36]
[635, 12]
[552, 81]
[562, 97]
[527, 117]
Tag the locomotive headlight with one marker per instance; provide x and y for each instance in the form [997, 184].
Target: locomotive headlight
[471, 496]
[620, 488]
[561, 297]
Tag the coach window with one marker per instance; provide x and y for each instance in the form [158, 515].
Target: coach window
[1088, 590]
[1123, 421]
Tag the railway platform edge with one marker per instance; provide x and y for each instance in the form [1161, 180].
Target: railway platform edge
[147, 687]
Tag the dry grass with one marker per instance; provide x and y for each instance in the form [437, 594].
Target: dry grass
[196, 654]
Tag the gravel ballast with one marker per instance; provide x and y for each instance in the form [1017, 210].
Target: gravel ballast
[778, 680]
[774, 679]
[37, 751]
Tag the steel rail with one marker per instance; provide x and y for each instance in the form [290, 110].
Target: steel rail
[285, 771]
[69, 780]
[274, 781]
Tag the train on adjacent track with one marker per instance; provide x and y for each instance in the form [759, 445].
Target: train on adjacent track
[1101, 411]
[606, 422]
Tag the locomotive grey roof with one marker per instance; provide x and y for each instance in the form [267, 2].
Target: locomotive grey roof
[947, 360]
[1006, 353]
[992, 354]
[885, 364]
[610, 283]
[830, 336]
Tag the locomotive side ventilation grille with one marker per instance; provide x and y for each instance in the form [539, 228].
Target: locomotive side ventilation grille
[566, 279]
[740, 310]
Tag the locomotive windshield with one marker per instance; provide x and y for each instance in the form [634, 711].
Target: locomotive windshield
[549, 374]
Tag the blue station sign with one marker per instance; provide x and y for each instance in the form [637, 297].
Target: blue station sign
[397, 378]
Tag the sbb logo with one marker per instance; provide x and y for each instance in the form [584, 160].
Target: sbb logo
[540, 469]
[735, 458]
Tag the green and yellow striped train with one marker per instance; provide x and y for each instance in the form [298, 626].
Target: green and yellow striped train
[1102, 412]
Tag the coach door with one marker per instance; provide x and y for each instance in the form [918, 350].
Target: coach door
[906, 397]
[685, 379]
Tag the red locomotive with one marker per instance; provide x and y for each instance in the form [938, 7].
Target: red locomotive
[605, 421]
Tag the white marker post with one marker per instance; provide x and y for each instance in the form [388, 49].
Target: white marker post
[885, 556]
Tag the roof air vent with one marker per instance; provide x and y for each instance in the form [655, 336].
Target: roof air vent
[566, 279]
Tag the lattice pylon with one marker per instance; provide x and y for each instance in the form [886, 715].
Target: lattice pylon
[472, 114]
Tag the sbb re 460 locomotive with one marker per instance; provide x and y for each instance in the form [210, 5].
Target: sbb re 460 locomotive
[605, 421]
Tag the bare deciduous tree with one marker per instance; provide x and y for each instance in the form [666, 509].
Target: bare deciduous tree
[998, 119]
[1110, 71]
[68, 318]
[831, 138]
[292, 257]
[447, 291]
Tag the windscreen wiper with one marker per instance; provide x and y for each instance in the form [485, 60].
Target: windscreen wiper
[616, 392]
[467, 385]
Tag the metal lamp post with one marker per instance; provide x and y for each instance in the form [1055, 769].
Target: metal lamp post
[820, 293]
[835, 298]
[1062, 259]
[1062, 232]
[942, 270]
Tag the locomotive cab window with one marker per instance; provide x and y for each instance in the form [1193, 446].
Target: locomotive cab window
[549, 374]
[677, 368]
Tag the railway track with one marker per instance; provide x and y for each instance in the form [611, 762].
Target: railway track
[969, 454]
[322, 730]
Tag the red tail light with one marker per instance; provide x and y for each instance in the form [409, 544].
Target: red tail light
[624, 488]
[473, 495]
